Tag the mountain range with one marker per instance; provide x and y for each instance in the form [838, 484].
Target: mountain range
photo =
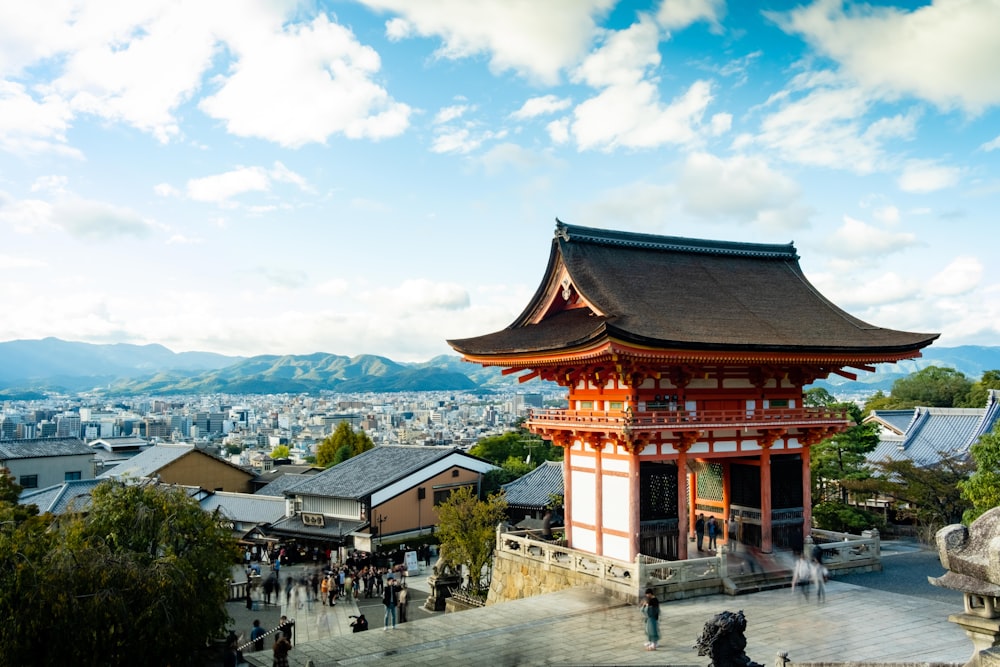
[33, 368]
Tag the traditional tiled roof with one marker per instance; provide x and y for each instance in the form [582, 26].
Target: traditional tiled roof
[536, 488]
[370, 471]
[280, 484]
[333, 529]
[932, 432]
[43, 447]
[61, 498]
[157, 457]
[894, 420]
[666, 292]
[245, 507]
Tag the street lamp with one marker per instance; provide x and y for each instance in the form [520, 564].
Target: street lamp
[379, 518]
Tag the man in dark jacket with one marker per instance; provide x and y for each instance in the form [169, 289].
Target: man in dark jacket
[390, 598]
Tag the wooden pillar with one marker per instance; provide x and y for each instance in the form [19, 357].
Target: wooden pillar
[635, 504]
[693, 509]
[567, 495]
[765, 499]
[806, 493]
[682, 502]
[725, 503]
[598, 500]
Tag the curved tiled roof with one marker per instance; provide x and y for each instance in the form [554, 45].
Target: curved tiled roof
[535, 488]
[690, 294]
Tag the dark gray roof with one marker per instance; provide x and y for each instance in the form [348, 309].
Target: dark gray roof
[897, 420]
[157, 457]
[362, 475]
[280, 484]
[61, 498]
[245, 507]
[684, 294]
[43, 447]
[535, 488]
[333, 529]
[932, 432]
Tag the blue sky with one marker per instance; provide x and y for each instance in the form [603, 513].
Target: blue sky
[271, 177]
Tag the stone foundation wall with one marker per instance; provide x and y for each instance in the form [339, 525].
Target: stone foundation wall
[515, 578]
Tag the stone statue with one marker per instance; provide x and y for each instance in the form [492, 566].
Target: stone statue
[972, 557]
[723, 640]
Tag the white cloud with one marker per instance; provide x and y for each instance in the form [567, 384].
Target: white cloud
[455, 141]
[303, 84]
[80, 218]
[450, 113]
[534, 39]
[923, 176]
[991, 145]
[962, 275]
[221, 188]
[28, 125]
[417, 294]
[856, 238]
[17, 262]
[740, 188]
[513, 156]
[398, 29]
[52, 183]
[820, 121]
[558, 130]
[944, 52]
[166, 190]
[541, 106]
[678, 14]
[628, 111]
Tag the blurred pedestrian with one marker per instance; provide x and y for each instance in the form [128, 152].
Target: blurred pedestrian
[650, 609]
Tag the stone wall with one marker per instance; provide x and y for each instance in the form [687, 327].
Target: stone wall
[515, 578]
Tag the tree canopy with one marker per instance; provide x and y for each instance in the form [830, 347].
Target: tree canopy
[927, 494]
[280, 452]
[141, 578]
[982, 488]
[933, 386]
[519, 444]
[342, 444]
[467, 531]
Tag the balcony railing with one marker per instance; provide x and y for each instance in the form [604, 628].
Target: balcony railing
[680, 420]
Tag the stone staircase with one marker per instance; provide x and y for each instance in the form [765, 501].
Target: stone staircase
[761, 572]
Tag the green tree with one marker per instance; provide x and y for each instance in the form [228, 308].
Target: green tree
[933, 386]
[280, 452]
[518, 444]
[141, 578]
[467, 532]
[878, 401]
[329, 453]
[928, 494]
[509, 470]
[982, 489]
[976, 398]
[818, 397]
[842, 458]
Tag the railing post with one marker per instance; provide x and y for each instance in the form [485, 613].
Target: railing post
[876, 539]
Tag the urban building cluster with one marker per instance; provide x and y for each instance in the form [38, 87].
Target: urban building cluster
[246, 429]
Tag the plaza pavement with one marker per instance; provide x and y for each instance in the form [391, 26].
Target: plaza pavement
[582, 627]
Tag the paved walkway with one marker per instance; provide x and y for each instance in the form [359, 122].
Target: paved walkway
[580, 627]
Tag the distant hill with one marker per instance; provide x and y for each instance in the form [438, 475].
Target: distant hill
[972, 360]
[30, 367]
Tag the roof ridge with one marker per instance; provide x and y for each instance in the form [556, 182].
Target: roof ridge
[571, 233]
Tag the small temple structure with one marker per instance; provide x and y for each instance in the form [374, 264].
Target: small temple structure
[685, 362]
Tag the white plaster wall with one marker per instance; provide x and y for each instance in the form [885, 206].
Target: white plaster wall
[615, 505]
[584, 539]
[585, 459]
[583, 497]
[725, 446]
[699, 448]
[617, 465]
[616, 547]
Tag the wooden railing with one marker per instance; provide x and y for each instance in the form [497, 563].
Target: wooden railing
[686, 419]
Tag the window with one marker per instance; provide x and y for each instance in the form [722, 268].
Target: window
[779, 403]
[28, 481]
[615, 405]
[72, 476]
[586, 405]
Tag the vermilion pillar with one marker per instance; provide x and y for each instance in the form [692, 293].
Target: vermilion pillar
[599, 499]
[765, 499]
[682, 501]
[806, 493]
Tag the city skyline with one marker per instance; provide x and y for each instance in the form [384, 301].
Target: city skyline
[377, 177]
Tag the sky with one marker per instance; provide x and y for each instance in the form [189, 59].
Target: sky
[377, 177]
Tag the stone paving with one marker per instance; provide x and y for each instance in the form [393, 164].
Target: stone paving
[581, 627]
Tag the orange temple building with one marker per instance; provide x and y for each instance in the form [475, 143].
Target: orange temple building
[685, 362]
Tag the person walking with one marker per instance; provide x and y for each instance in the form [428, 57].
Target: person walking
[713, 530]
[819, 575]
[281, 648]
[699, 530]
[257, 635]
[802, 575]
[390, 598]
[650, 609]
[404, 598]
